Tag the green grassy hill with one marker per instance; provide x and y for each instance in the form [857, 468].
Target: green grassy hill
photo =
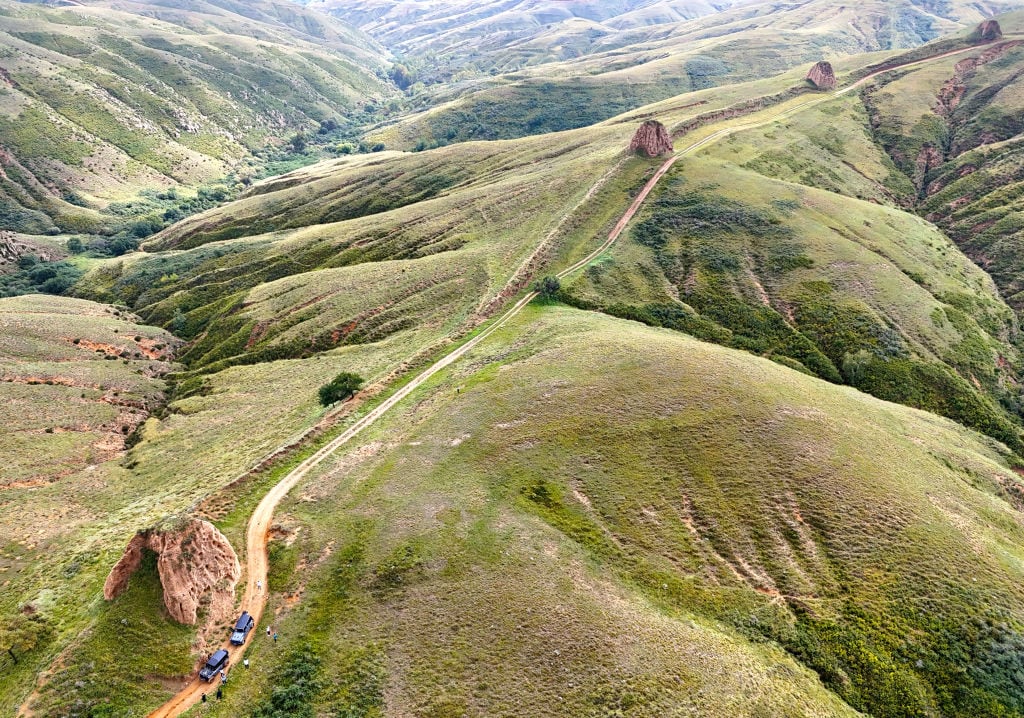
[959, 140]
[101, 100]
[841, 289]
[586, 516]
[949, 130]
[352, 251]
[590, 517]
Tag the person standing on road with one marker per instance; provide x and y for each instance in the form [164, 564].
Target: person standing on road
[259, 584]
[203, 698]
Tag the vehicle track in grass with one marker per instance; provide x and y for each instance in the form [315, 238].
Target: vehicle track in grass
[257, 532]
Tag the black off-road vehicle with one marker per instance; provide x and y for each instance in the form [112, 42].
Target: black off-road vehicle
[214, 665]
[242, 628]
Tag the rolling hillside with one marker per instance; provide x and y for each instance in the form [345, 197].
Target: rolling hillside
[520, 540]
[761, 457]
[941, 139]
[513, 34]
[101, 100]
[571, 73]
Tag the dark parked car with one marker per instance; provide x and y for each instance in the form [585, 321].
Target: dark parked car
[214, 665]
[242, 628]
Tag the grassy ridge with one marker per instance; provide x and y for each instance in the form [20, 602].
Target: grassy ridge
[820, 283]
[340, 270]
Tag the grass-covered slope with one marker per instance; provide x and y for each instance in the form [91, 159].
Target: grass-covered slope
[630, 65]
[98, 100]
[87, 464]
[819, 268]
[76, 381]
[958, 137]
[354, 251]
[589, 517]
[941, 139]
[365, 248]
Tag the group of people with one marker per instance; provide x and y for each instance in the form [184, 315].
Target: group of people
[224, 675]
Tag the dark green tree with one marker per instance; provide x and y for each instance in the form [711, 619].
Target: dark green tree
[548, 288]
[179, 322]
[340, 388]
[402, 76]
[21, 634]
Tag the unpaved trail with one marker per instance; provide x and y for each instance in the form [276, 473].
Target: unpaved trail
[254, 600]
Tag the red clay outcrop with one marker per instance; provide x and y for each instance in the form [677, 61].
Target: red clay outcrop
[988, 31]
[822, 76]
[652, 140]
[197, 567]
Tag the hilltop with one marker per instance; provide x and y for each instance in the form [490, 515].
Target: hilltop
[648, 537]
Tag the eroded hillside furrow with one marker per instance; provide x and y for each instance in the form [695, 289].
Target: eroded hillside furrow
[963, 157]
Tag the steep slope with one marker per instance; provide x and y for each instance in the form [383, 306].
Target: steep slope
[959, 139]
[949, 130]
[351, 252]
[591, 517]
[841, 289]
[99, 100]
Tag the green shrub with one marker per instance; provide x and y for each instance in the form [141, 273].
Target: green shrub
[340, 388]
[295, 687]
[548, 288]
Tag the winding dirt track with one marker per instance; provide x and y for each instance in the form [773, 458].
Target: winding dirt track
[254, 600]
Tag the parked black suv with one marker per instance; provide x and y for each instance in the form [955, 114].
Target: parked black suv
[214, 665]
[242, 628]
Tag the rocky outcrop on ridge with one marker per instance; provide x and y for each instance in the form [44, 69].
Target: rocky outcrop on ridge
[197, 567]
[988, 31]
[822, 76]
[652, 140]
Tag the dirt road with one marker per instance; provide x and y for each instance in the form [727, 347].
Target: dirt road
[254, 600]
